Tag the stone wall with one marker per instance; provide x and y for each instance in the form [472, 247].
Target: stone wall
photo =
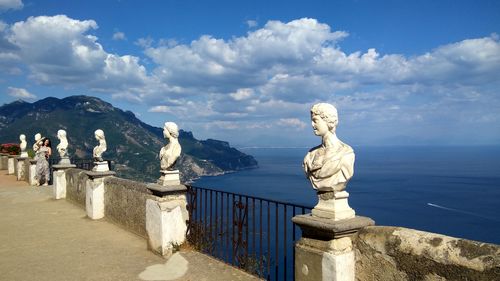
[76, 180]
[124, 200]
[396, 253]
[125, 203]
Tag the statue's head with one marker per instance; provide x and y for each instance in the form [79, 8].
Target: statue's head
[170, 128]
[99, 134]
[61, 134]
[327, 113]
[38, 136]
[22, 137]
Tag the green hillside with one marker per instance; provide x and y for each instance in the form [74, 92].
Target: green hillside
[133, 146]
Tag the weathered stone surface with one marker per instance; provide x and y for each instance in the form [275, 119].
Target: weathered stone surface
[11, 166]
[94, 198]
[162, 191]
[98, 174]
[32, 172]
[396, 253]
[21, 170]
[327, 229]
[59, 179]
[125, 203]
[166, 224]
[169, 178]
[76, 180]
[324, 260]
[4, 159]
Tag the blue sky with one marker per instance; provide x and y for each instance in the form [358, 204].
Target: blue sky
[399, 72]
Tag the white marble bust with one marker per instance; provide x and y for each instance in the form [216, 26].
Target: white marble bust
[101, 147]
[38, 143]
[62, 147]
[23, 145]
[328, 166]
[170, 152]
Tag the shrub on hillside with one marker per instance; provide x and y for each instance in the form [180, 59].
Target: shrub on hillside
[10, 148]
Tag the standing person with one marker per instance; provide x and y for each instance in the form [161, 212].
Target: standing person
[42, 163]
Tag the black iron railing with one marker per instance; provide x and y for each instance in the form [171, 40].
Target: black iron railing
[252, 233]
[84, 164]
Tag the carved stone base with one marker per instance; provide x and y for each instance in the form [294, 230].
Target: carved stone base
[333, 205]
[65, 161]
[11, 169]
[24, 154]
[59, 176]
[20, 168]
[101, 166]
[32, 172]
[169, 178]
[324, 260]
[325, 250]
[94, 197]
[166, 223]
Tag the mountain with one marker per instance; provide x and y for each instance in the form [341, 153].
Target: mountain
[132, 145]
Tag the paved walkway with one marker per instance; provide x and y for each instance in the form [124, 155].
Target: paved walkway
[45, 239]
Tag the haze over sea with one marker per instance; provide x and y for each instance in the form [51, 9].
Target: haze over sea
[449, 190]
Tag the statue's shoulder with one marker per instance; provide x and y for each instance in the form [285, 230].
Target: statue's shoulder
[313, 149]
[346, 148]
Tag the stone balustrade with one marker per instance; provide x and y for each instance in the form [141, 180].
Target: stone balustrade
[327, 250]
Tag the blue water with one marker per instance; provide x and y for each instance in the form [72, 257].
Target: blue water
[449, 190]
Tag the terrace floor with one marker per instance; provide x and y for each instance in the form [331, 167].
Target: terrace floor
[46, 239]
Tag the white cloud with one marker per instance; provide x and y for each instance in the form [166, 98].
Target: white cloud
[61, 51]
[242, 94]
[160, 108]
[119, 36]
[252, 23]
[20, 93]
[293, 123]
[267, 78]
[11, 5]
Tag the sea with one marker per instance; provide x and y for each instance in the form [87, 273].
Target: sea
[450, 190]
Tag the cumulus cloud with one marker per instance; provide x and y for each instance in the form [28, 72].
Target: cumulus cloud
[267, 78]
[252, 23]
[20, 93]
[292, 123]
[282, 68]
[119, 36]
[62, 51]
[11, 5]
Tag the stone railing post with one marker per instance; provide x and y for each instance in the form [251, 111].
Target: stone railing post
[94, 194]
[3, 163]
[32, 172]
[325, 251]
[21, 169]
[11, 165]
[59, 178]
[166, 217]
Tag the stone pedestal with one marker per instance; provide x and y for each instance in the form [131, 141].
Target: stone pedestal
[101, 166]
[32, 172]
[59, 178]
[168, 178]
[325, 250]
[333, 205]
[166, 217]
[21, 169]
[11, 169]
[4, 159]
[94, 194]
[24, 154]
[64, 161]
